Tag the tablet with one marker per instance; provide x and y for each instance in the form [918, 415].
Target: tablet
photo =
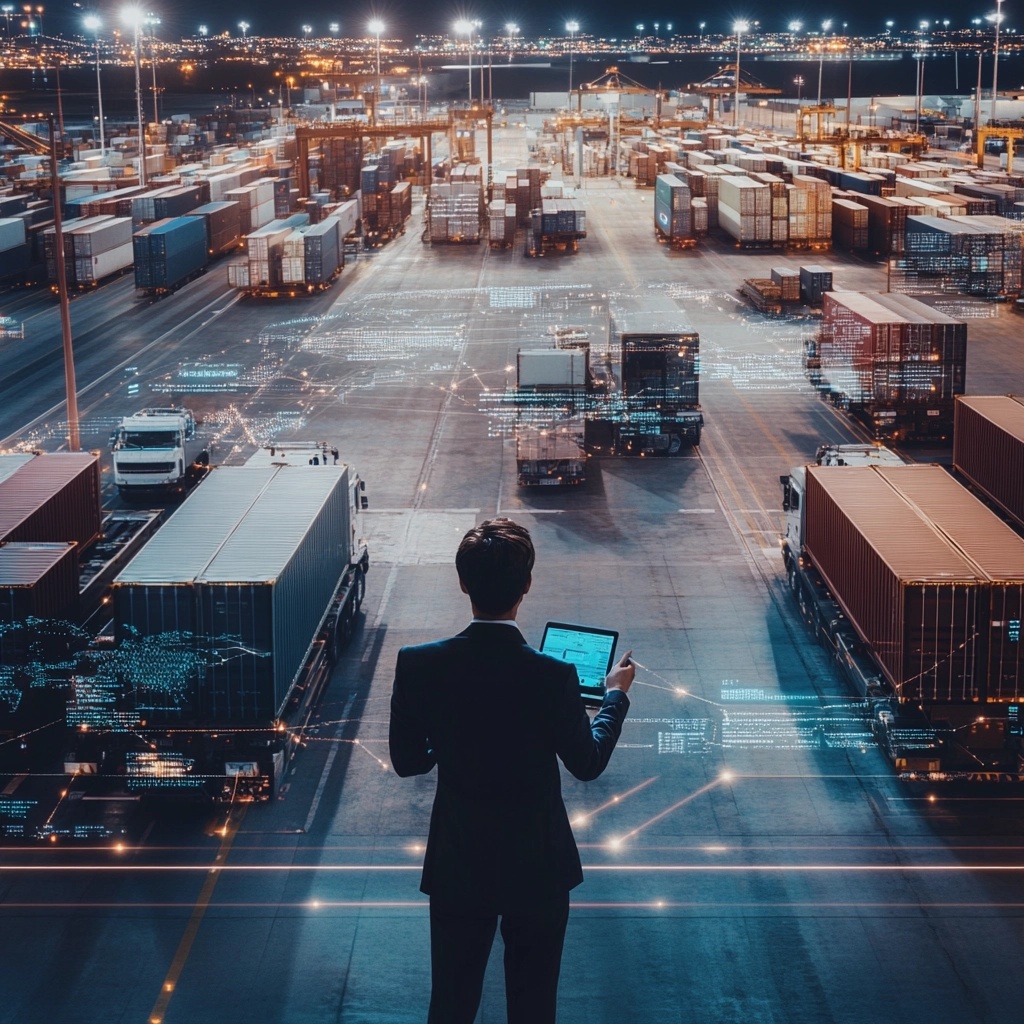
[590, 649]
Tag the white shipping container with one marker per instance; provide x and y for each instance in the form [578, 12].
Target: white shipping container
[104, 264]
[93, 239]
[347, 214]
[293, 270]
[260, 216]
[551, 368]
[238, 275]
[12, 232]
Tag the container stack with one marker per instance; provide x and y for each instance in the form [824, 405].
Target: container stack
[896, 362]
[788, 281]
[810, 212]
[255, 204]
[745, 210]
[169, 253]
[558, 224]
[94, 248]
[849, 225]
[673, 211]
[342, 162]
[262, 268]
[967, 255]
[323, 252]
[454, 207]
[501, 223]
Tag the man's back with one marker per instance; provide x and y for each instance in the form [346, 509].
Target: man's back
[494, 715]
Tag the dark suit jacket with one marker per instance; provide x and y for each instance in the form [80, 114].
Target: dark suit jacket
[494, 715]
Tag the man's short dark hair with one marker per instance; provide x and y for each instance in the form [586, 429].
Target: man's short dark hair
[494, 562]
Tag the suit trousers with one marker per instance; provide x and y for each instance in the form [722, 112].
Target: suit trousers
[460, 945]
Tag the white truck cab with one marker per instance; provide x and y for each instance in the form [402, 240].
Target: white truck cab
[157, 449]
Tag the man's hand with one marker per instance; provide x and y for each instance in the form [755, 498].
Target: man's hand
[621, 675]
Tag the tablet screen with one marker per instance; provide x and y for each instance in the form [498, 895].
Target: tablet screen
[590, 650]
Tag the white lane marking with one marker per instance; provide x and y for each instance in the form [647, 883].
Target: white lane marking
[329, 764]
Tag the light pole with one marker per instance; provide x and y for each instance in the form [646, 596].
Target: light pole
[700, 37]
[799, 83]
[739, 28]
[513, 30]
[997, 18]
[93, 24]
[376, 26]
[572, 27]
[8, 10]
[133, 16]
[204, 31]
[306, 30]
[152, 21]
[244, 26]
[825, 26]
[466, 26]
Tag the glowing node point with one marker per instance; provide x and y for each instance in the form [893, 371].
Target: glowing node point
[680, 691]
[932, 798]
[580, 819]
[659, 903]
[615, 843]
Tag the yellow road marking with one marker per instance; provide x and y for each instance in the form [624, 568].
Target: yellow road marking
[181, 955]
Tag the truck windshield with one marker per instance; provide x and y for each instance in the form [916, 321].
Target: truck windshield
[148, 439]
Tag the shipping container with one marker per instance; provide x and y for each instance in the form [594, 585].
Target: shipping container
[51, 497]
[991, 547]
[37, 579]
[223, 226]
[551, 368]
[169, 252]
[911, 595]
[988, 449]
[814, 282]
[250, 563]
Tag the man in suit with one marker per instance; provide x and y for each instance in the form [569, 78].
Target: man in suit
[495, 716]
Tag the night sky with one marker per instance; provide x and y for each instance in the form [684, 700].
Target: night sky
[613, 19]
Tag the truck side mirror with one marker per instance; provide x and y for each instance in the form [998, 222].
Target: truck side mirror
[784, 480]
[362, 485]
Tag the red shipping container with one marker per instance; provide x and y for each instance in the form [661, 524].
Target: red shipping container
[53, 497]
[988, 449]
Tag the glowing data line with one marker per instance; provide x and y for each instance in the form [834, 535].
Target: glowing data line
[679, 691]
[584, 816]
[616, 842]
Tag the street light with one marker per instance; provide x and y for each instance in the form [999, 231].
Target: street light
[513, 30]
[700, 38]
[466, 26]
[572, 27]
[799, 83]
[997, 18]
[244, 26]
[8, 10]
[376, 26]
[306, 30]
[739, 28]
[152, 21]
[134, 17]
[334, 28]
[204, 31]
[825, 26]
[93, 24]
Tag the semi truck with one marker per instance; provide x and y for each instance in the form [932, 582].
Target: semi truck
[914, 587]
[158, 450]
[654, 407]
[226, 627]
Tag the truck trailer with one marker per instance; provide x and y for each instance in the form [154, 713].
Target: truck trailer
[233, 616]
[917, 590]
